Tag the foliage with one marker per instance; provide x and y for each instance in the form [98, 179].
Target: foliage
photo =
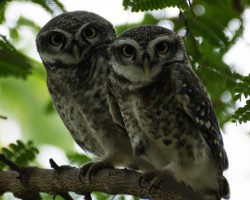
[242, 88]
[207, 34]
[52, 6]
[28, 101]
[22, 21]
[78, 159]
[146, 5]
[19, 67]
[21, 153]
[22, 65]
[206, 40]
[148, 19]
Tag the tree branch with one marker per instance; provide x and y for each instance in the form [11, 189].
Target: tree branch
[27, 182]
[111, 181]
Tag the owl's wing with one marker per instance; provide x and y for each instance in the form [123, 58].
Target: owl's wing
[114, 109]
[193, 97]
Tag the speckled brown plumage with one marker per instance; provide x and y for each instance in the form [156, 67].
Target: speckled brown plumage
[73, 48]
[166, 110]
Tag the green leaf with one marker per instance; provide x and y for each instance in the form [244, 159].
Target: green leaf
[148, 19]
[242, 88]
[149, 5]
[126, 4]
[21, 153]
[49, 108]
[13, 62]
[20, 144]
[14, 34]
[242, 114]
[8, 153]
[22, 21]
[210, 26]
[77, 158]
[52, 6]
[3, 5]
[14, 147]
[237, 97]
[101, 196]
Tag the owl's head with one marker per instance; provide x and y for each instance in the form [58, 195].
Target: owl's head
[69, 38]
[140, 54]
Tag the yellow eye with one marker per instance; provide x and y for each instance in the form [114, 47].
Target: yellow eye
[128, 50]
[90, 32]
[57, 39]
[162, 47]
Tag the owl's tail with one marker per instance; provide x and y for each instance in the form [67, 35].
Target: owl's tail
[218, 195]
[224, 188]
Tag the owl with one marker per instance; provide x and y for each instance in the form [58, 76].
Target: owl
[166, 110]
[73, 49]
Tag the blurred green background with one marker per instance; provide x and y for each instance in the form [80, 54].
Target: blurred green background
[209, 29]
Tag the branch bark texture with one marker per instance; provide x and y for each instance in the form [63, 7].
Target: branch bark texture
[111, 181]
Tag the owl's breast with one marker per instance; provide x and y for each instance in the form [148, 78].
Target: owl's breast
[73, 118]
[169, 133]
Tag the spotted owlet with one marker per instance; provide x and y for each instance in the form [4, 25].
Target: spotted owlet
[73, 49]
[166, 110]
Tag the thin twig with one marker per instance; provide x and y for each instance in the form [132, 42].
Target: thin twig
[56, 167]
[53, 164]
[10, 163]
[191, 8]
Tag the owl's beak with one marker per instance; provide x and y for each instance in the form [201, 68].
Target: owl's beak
[146, 66]
[76, 52]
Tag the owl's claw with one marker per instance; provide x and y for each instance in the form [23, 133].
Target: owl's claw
[91, 169]
[153, 179]
[87, 196]
[146, 177]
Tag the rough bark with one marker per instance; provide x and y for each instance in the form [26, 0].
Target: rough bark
[112, 181]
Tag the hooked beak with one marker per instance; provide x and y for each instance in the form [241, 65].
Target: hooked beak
[146, 66]
[76, 52]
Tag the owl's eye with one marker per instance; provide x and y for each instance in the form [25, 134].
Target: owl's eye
[128, 50]
[57, 39]
[90, 32]
[162, 47]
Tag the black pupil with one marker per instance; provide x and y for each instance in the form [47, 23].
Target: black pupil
[161, 47]
[128, 50]
[57, 39]
[89, 32]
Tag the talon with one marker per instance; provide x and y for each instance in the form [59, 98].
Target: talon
[154, 184]
[152, 178]
[146, 177]
[150, 189]
[84, 171]
[91, 169]
[140, 180]
[87, 196]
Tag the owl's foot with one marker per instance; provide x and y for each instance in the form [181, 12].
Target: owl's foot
[152, 179]
[92, 168]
